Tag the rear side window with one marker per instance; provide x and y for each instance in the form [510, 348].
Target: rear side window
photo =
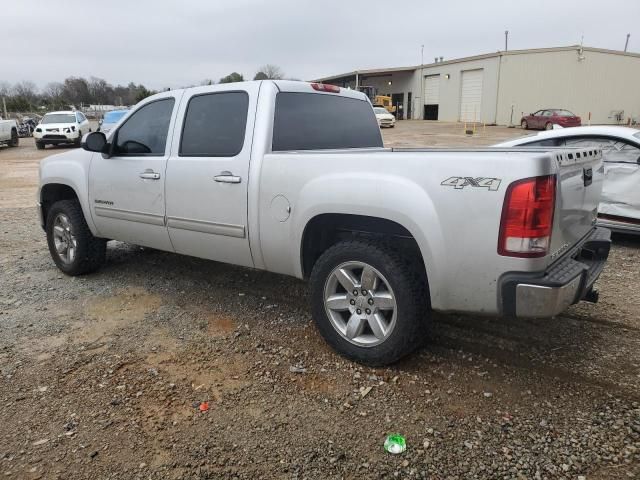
[214, 125]
[552, 142]
[308, 121]
[145, 131]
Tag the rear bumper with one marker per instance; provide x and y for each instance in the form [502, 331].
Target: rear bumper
[567, 281]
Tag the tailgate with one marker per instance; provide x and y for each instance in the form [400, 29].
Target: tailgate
[580, 179]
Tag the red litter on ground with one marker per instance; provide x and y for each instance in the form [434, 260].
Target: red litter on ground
[204, 406]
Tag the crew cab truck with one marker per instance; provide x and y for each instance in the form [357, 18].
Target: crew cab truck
[9, 133]
[293, 178]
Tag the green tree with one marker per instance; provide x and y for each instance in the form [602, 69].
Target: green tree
[232, 77]
[260, 76]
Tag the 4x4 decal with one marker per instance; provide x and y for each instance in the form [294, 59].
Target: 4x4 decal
[483, 182]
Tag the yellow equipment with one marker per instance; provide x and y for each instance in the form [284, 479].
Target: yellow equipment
[383, 101]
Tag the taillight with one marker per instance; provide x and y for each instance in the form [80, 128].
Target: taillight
[527, 217]
[323, 87]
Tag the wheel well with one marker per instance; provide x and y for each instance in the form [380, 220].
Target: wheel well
[53, 192]
[326, 230]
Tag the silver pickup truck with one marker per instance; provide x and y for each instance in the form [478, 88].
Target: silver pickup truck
[293, 178]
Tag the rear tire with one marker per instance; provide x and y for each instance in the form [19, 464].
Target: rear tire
[15, 141]
[524, 125]
[72, 246]
[365, 327]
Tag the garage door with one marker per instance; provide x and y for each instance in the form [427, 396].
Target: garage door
[471, 95]
[432, 90]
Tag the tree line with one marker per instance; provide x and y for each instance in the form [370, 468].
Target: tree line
[25, 96]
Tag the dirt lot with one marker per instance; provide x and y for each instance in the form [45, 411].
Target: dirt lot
[101, 376]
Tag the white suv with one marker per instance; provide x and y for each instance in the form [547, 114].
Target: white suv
[61, 127]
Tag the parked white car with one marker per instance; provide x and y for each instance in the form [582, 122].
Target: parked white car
[619, 208]
[385, 119]
[57, 128]
[9, 132]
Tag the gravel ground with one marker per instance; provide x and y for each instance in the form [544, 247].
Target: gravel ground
[103, 376]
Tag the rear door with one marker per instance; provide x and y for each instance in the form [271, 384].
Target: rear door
[208, 173]
[126, 189]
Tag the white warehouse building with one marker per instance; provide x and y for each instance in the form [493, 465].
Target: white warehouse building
[497, 88]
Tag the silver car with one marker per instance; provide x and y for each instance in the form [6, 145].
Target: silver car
[110, 120]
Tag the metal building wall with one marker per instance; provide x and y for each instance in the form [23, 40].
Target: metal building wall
[450, 88]
[596, 82]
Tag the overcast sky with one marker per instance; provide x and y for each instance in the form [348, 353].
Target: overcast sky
[177, 43]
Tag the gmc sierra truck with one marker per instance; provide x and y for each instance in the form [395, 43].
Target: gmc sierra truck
[293, 178]
[9, 133]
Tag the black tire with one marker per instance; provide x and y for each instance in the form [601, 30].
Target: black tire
[78, 141]
[411, 293]
[524, 125]
[15, 140]
[40, 145]
[91, 251]
[548, 126]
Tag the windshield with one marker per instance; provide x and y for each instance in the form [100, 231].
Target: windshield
[380, 110]
[59, 118]
[113, 117]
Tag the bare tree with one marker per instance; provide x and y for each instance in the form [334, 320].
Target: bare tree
[76, 90]
[26, 90]
[269, 71]
[53, 94]
[5, 89]
[100, 91]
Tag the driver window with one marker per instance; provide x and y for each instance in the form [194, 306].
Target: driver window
[145, 131]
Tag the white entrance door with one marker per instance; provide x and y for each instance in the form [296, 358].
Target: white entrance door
[471, 95]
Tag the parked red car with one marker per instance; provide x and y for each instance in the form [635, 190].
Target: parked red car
[546, 119]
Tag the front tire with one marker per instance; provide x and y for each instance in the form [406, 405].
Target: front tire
[78, 141]
[524, 125]
[368, 302]
[40, 145]
[548, 126]
[72, 246]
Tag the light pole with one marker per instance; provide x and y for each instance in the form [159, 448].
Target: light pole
[626, 44]
[422, 79]
[506, 40]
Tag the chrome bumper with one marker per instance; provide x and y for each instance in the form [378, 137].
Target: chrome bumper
[567, 281]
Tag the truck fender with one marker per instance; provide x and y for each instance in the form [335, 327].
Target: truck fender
[72, 172]
[410, 206]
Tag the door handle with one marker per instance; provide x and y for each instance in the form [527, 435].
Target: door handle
[227, 177]
[150, 175]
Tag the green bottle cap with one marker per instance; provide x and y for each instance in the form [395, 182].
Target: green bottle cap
[395, 443]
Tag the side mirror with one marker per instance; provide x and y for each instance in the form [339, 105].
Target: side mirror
[95, 142]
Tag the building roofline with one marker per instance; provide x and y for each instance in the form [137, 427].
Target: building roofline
[484, 56]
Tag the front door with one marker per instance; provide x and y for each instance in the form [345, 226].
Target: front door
[208, 174]
[126, 188]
